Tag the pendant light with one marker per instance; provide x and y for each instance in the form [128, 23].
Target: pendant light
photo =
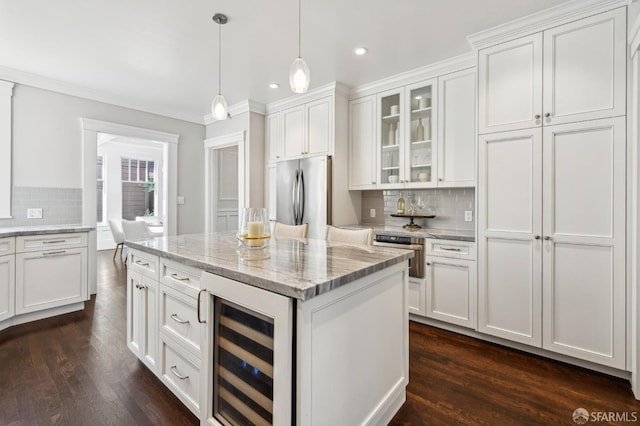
[219, 108]
[299, 75]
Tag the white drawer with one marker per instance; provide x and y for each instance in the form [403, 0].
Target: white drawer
[7, 245]
[181, 277]
[179, 318]
[181, 373]
[451, 248]
[29, 243]
[145, 263]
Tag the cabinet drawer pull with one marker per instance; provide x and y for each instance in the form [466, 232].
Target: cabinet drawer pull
[450, 249]
[141, 263]
[53, 253]
[174, 370]
[199, 320]
[177, 319]
[179, 278]
[53, 241]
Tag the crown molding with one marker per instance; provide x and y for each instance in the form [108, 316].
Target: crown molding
[225, 140]
[542, 20]
[6, 88]
[241, 107]
[334, 87]
[457, 63]
[58, 86]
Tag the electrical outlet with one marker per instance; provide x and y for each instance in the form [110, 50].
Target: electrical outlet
[468, 215]
[180, 199]
[34, 213]
[372, 213]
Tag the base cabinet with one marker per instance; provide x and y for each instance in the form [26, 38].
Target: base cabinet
[417, 298]
[451, 290]
[142, 318]
[7, 287]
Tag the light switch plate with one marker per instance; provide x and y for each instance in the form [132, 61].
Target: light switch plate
[468, 215]
[180, 199]
[372, 213]
[34, 213]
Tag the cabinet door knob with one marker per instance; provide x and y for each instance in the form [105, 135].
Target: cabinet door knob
[547, 115]
[537, 237]
[277, 156]
[373, 182]
[537, 117]
[440, 179]
[428, 263]
[547, 238]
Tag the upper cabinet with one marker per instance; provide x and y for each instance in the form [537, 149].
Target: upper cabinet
[457, 129]
[272, 130]
[301, 130]
[532, 81]
[362, 143]
[421, 135]
[406, 126]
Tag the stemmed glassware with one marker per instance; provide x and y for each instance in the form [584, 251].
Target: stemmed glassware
[420, 203]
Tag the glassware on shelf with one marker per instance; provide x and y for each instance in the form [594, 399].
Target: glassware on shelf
[412, 205]
[419, 203]
[401, 204]
[391, 135]
[427, 128]
[254, 231]
[419, 131]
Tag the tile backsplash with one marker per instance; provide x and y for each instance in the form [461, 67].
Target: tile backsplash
[60, 206]
[448, 205]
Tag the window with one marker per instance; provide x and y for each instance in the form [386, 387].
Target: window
[138, 188]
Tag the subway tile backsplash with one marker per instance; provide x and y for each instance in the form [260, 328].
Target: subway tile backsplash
[448, 205]
[60, 206]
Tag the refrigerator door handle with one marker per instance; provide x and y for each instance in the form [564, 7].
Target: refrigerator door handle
[301, 197]
[294, 198]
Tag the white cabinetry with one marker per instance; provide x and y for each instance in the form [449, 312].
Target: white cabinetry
[362, 143]
[451, 282]
[457, 129]
[554, 276]
[182, 332]
[534, 81]
[7, 278]
[417, 296]
[142, 307]
[51, 271]
[273, 131]
[307, 129]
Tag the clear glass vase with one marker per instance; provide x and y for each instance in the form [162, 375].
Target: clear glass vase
[254, 231]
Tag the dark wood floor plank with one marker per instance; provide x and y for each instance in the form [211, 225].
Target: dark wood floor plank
[76, 369]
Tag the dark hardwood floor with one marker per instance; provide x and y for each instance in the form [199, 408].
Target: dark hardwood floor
[75, 369]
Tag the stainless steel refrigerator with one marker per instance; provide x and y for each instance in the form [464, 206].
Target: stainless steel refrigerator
[303, 193]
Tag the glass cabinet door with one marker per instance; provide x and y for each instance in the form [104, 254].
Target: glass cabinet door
[420, 153]
[390, 139]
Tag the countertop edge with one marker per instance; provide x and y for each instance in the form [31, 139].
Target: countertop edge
[43, 230]
[268, 285]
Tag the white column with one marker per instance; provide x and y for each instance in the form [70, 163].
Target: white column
[6, 91]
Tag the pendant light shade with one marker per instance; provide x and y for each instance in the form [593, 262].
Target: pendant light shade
[219, 108]
[299, 74]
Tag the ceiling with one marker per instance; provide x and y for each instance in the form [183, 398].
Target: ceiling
[161, 55]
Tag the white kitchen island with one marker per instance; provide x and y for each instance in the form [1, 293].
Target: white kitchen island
[302, 332]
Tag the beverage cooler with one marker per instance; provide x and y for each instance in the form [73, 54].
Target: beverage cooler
[250, 354]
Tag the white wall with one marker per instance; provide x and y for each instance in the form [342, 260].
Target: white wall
[47, 145]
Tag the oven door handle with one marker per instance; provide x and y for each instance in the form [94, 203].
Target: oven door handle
[400, 246]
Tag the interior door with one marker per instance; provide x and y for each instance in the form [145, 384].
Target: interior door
[226, 188]
[509, 229]
[584, 240]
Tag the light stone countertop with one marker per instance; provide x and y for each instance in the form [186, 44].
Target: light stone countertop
[19, 231]
[299, 269]
[441, 234]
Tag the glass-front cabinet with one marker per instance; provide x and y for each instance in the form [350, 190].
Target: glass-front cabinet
[406, 136]
[390, 137]
[420, 153]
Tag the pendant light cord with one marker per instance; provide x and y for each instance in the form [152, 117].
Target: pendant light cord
[219, 58]
[299, 25]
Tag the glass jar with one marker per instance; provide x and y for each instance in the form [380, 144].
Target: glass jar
[254, 231]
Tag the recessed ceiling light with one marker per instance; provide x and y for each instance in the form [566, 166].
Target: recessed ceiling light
[274, 85]
[360, 51]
